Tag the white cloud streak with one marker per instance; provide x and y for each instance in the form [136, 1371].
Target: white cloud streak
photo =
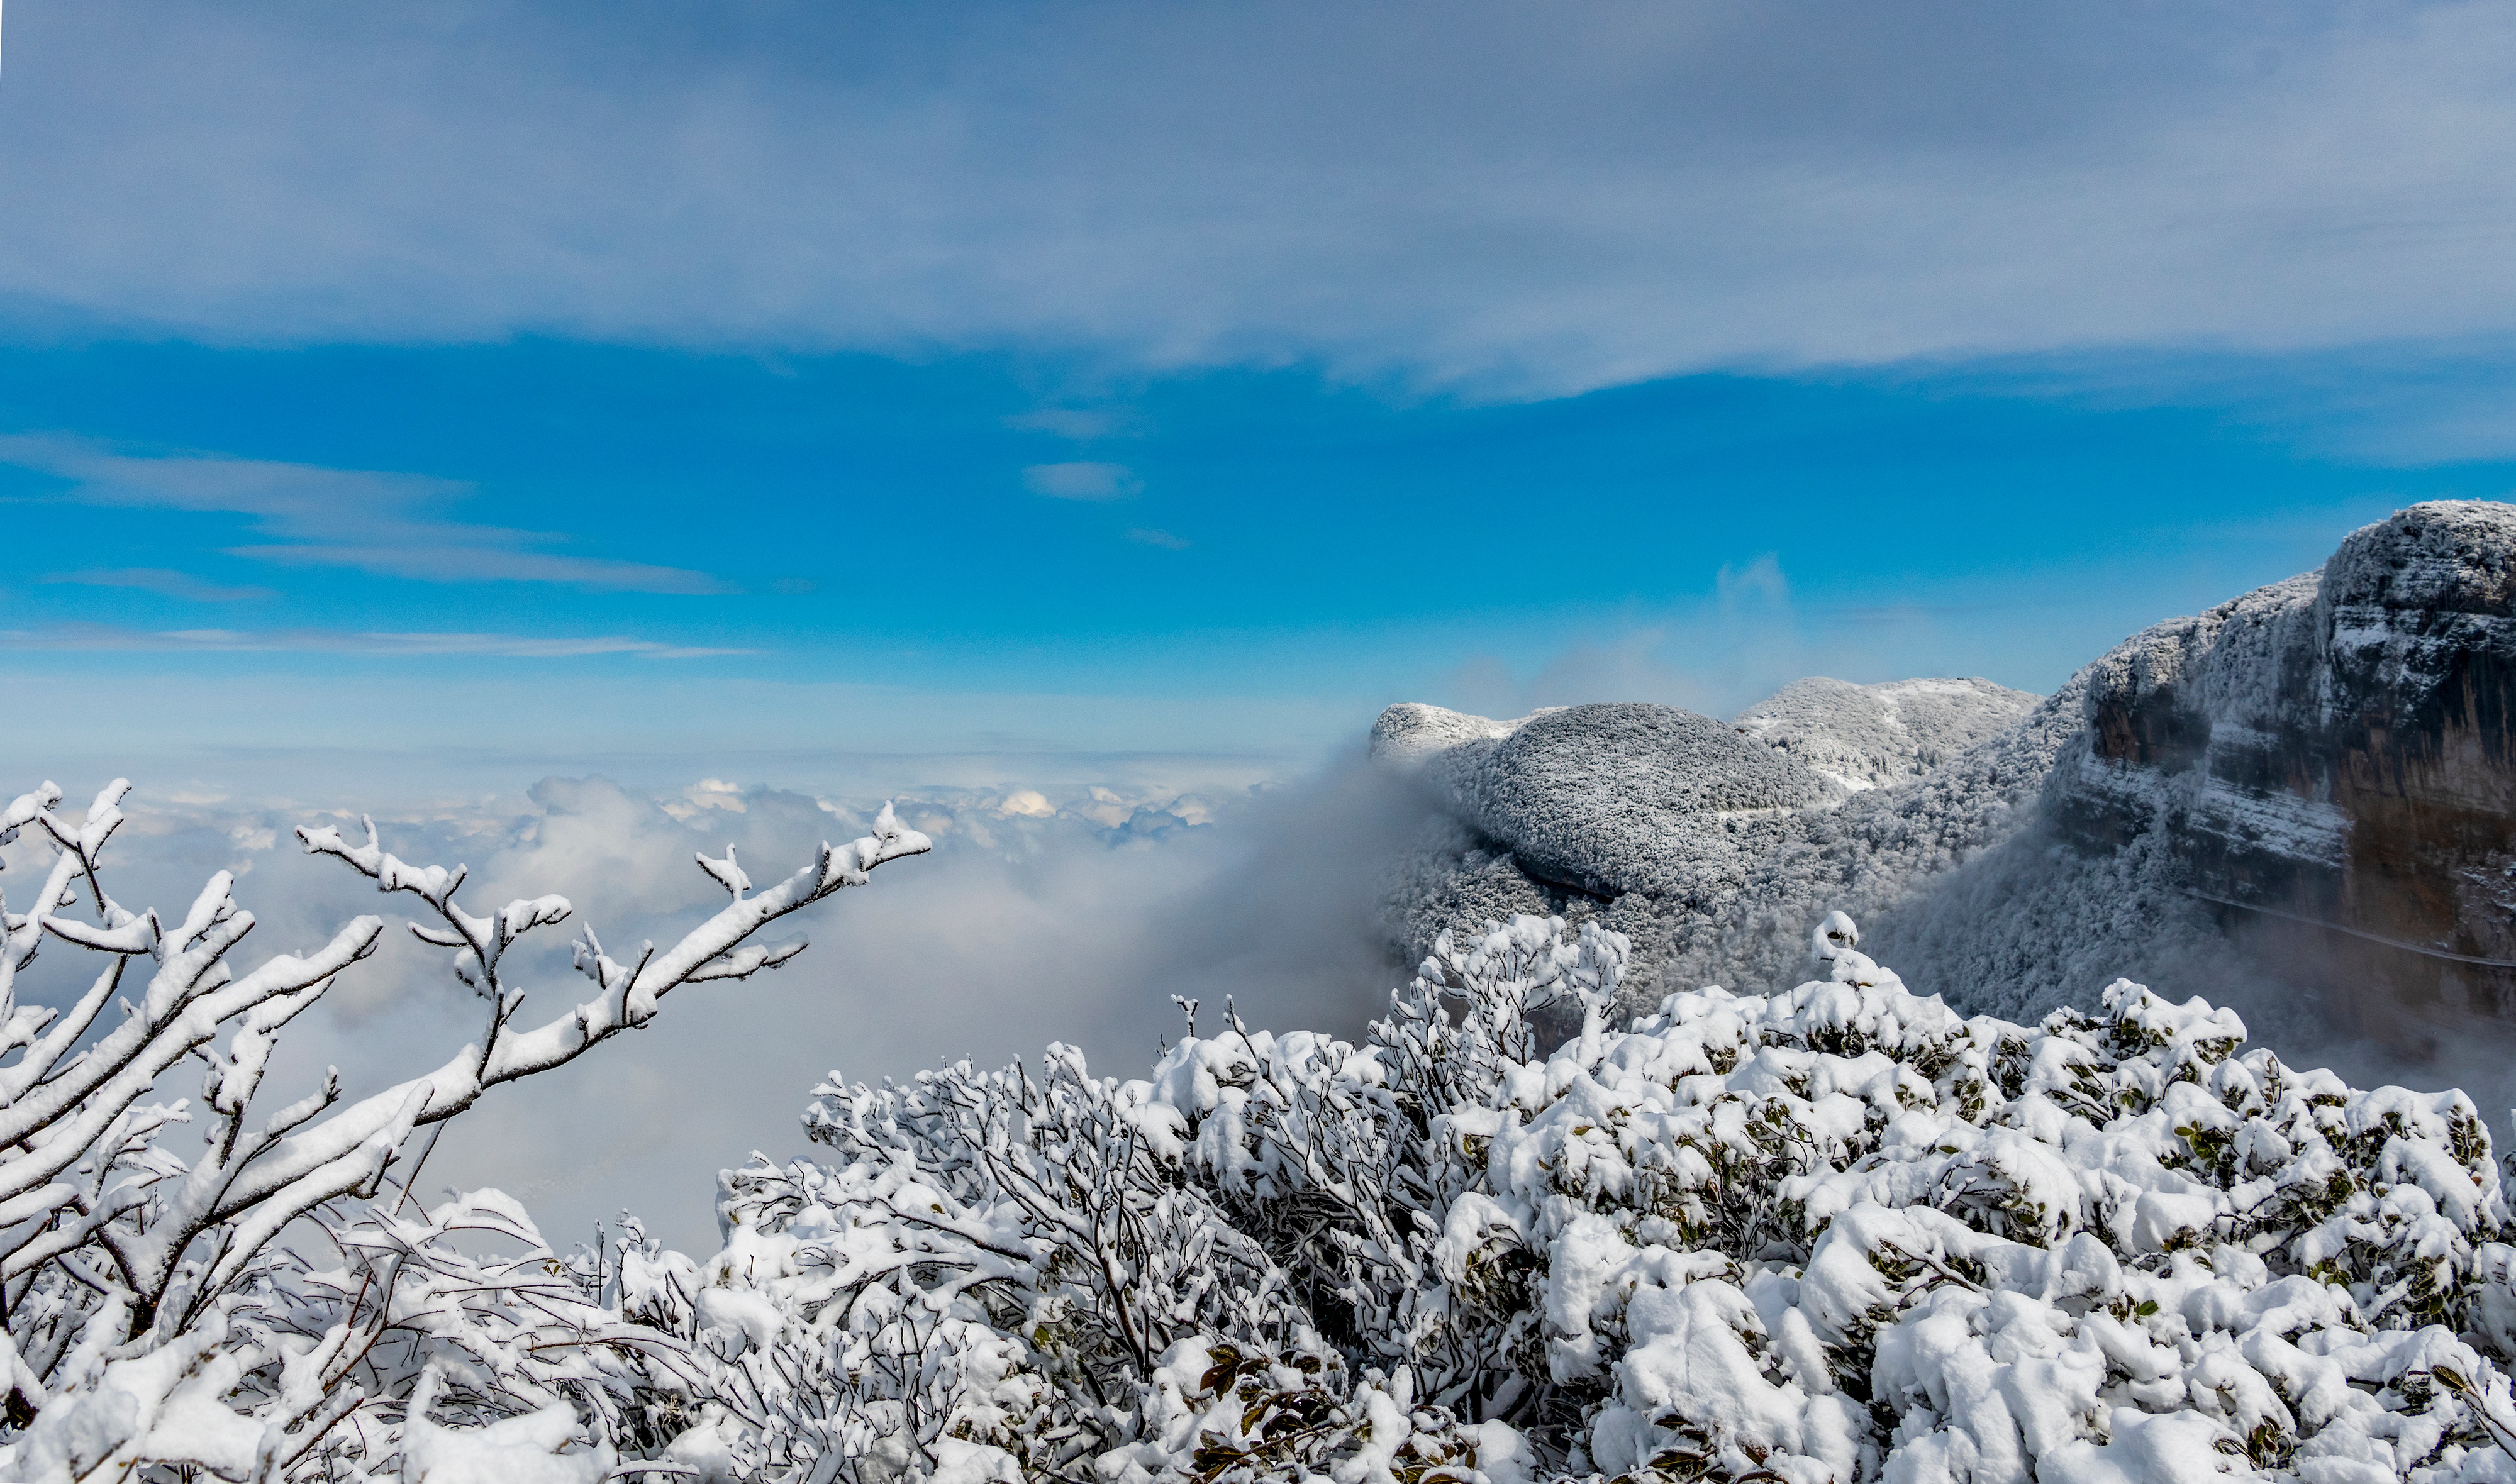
[1522, 200]
[107, 637]
[486, 563]
[1083, 480]
[163, 580]
[1081, 425]
[390, 524]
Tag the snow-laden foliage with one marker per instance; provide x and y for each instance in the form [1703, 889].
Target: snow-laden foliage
[1839, 1234]
[219, 1288]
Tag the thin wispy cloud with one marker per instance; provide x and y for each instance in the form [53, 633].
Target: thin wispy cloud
[390, 524]
[109, 637]
[1734, 645]
[1082, 482]
[165, 582]
[1675, 188]
[1863, 615]
[478, 563]
[1080, 425]
[1145, 535]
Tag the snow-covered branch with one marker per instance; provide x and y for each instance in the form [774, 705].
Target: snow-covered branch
[156, 1319]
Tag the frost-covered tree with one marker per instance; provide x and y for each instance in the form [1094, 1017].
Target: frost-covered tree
[1833, 1236]
[217, 1287]
[1842, 1235]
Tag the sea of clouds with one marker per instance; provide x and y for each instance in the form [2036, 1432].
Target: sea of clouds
[1072, 909]
[1068, 912]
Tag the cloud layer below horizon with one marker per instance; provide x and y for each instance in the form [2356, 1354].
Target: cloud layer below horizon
[1058, 913]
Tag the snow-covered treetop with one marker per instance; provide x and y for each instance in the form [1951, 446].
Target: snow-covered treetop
[156, 1322]
[1831, 1236]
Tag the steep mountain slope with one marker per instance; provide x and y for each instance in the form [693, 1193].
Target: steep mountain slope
[2303, 801]
[1866, 736]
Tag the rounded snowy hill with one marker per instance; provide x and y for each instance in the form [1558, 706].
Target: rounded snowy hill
[1668, 823]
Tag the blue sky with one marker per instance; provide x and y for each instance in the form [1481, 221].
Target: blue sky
[1104, 378]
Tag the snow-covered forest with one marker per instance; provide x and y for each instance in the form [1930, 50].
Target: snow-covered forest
[1840, 1233]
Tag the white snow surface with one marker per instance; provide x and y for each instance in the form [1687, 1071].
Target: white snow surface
[1835, 1235]
[1709, 843]
[1864, 736]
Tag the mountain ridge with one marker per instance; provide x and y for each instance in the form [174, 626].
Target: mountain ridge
[2300, 792]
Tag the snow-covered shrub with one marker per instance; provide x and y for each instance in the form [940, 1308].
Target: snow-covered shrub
[222, 1289]
[1834, 1236]
[1840, 1234]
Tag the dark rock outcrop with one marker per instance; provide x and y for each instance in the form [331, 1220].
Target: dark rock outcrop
[2335, 751]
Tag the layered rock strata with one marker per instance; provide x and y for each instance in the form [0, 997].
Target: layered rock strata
[2333, 752]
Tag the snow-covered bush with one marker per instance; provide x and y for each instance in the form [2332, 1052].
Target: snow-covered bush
[1837, 1234]
[223, 1289]
[1834, 1236]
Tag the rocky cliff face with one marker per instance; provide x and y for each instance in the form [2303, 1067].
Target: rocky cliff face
[2306, 790]
[2334, 749]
